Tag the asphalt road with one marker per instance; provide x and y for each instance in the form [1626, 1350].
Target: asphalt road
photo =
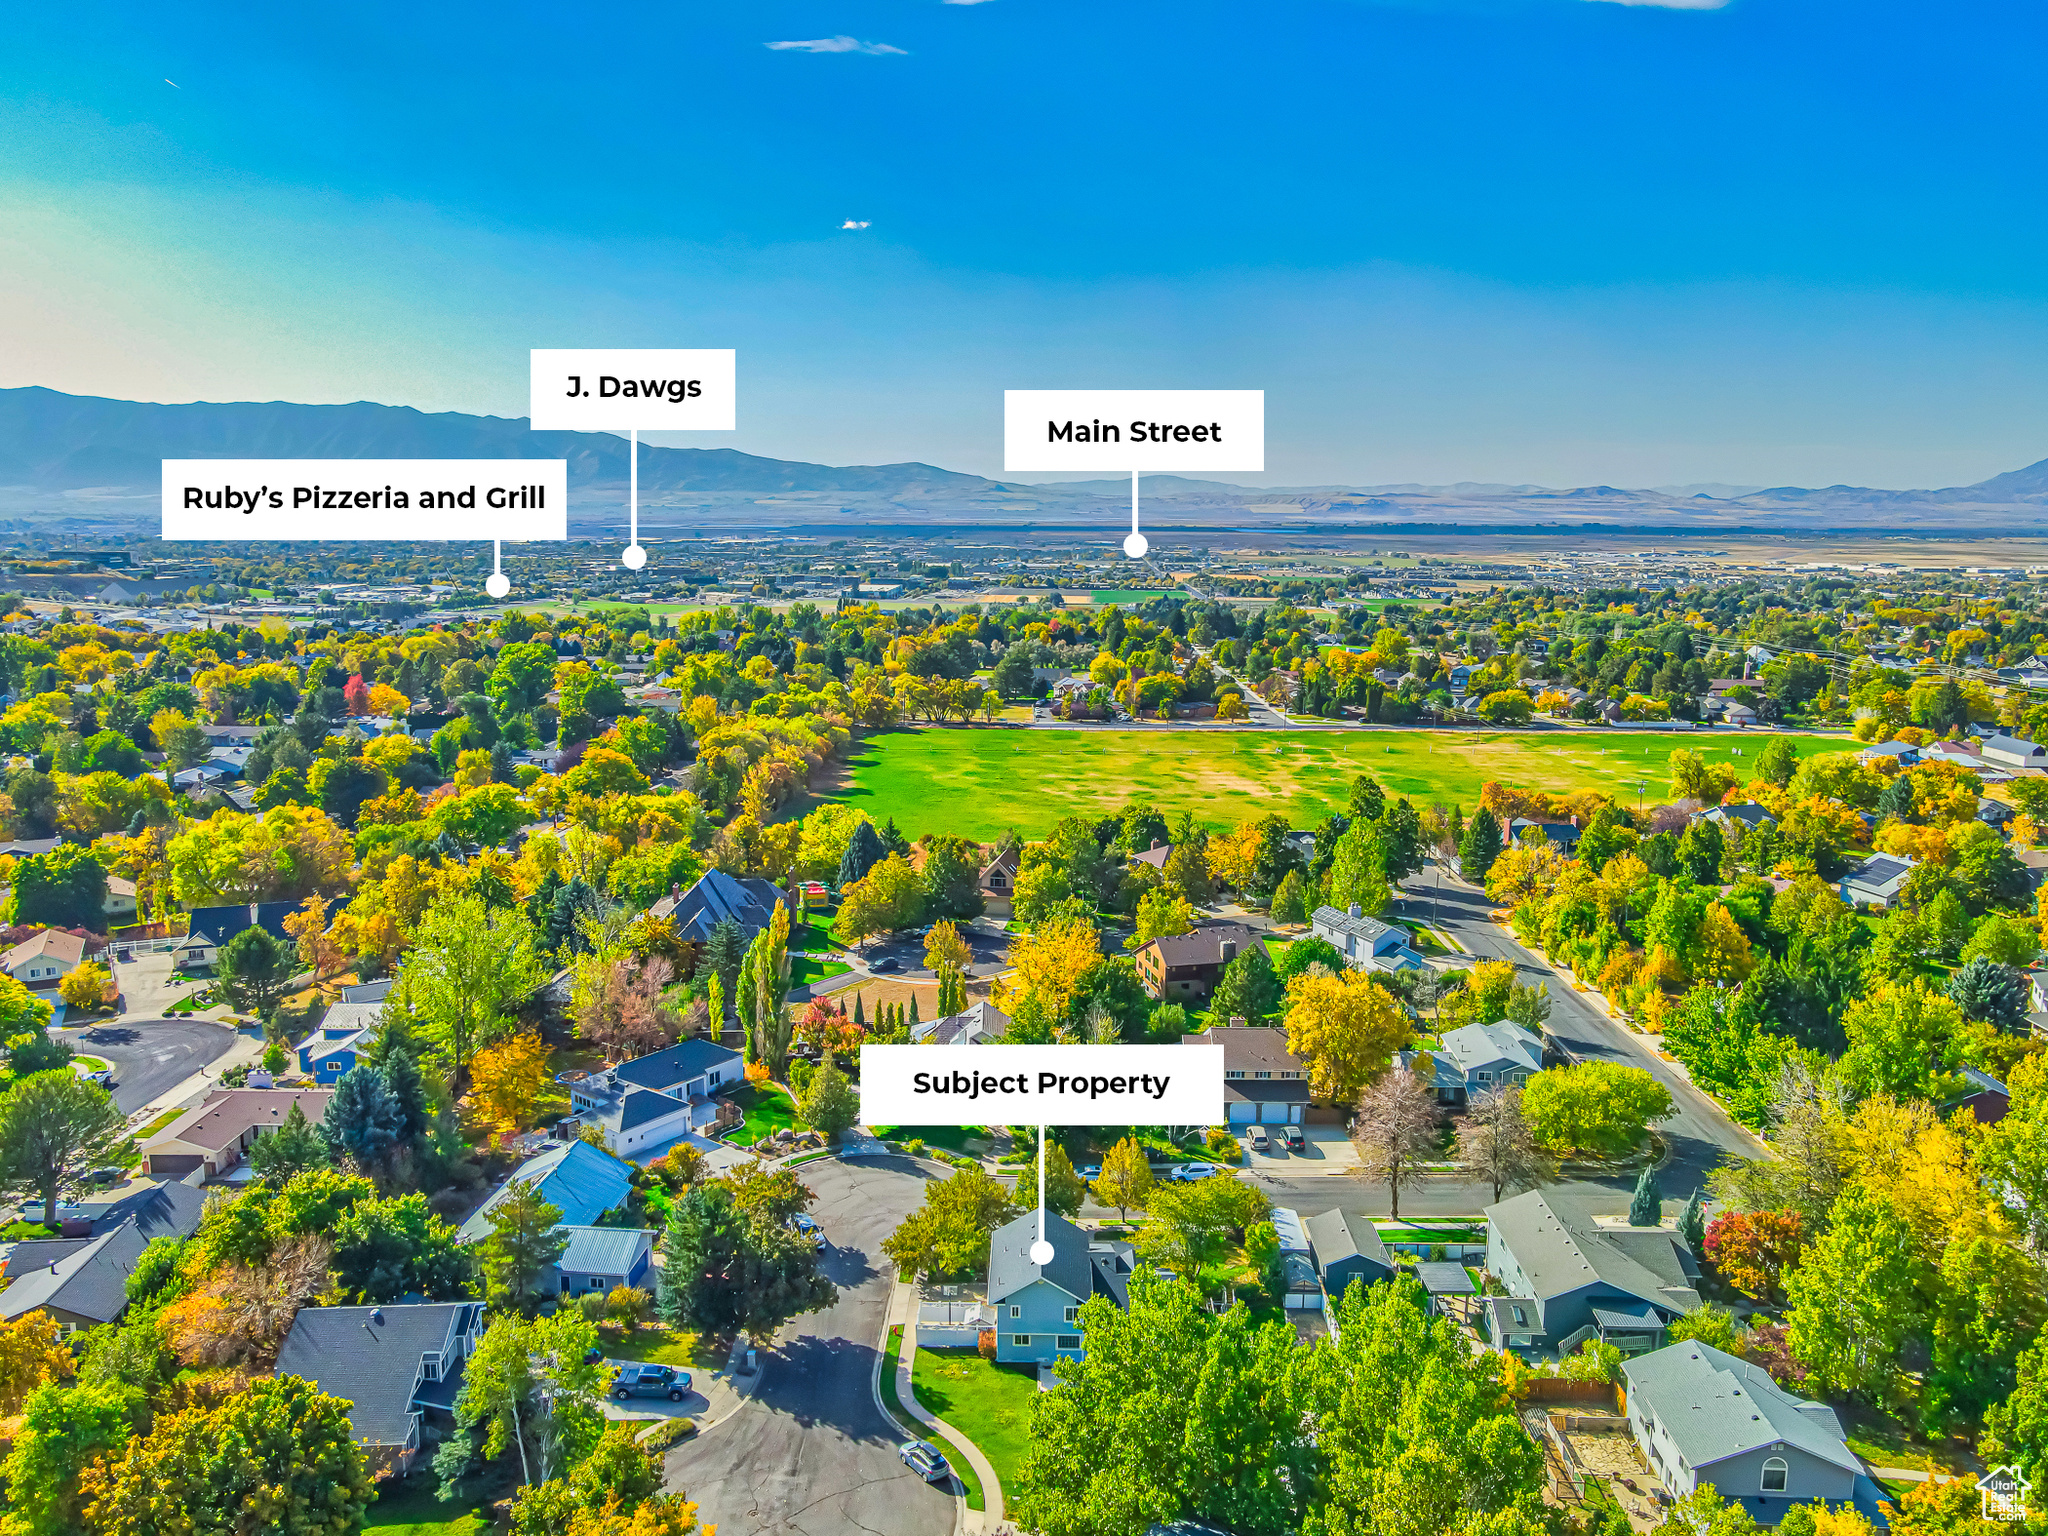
[1700, 1133]
[810, 1454]
[149, 1056]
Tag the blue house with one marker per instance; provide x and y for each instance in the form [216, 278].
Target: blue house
[1037, 1307]
[578, 1180]
[1478, 1057]
[600, 1259]
[1571, 1276]
[344, 1033]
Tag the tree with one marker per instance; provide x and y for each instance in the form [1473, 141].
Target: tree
[1396, 1130]
[727, 1271]
[290, 1150]
[507, 1079]
[1905, 1040]
[1709, 1324]
[1597, 1107]
[948, 1234]
[51, 1126]
[62, 1433]
[1162, 912]
[385, 1248]
[2016, 1430]
[1305, 952]
[864, 850]
[181, 741]
[1777, 761]
[524, 1243]
[1991, 991]
[1481, 846]
[362, 1119]
[1857, 1298]
[87, 987]
[1126, 1178]
[256, 970]
[1754, 1250]
[1497, 1146]
[32, 1354]
[1248, 988]
[1988, 1306]
[1289, 899]
[887, 898]
[64, 888]
[829, 1104]
[530, 1387]
[1646, 1207]
[943, 946]
[1191, 1222]
[1344, 1027]
[1064, 1188]
[1358, 871]
[951, 877]
[470, 966]
[1046, 967]
[278, 1456]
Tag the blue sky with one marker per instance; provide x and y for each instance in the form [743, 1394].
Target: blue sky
[1561, 241]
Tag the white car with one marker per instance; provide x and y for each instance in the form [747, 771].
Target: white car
[1189, 1173]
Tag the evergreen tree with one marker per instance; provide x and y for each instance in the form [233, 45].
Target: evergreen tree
[1647, 1208]
[525, 1241]
[860, 1017]
[1248, 989]
[723, 952]
[362, 1118]
[1997, 994]
[292, 1149]
[864, 851]
[409, 1092]
[914, 1020]
[1692, 1223]
[1481, 846]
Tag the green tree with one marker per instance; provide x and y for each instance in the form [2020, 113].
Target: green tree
[1358, 871]
[52, 1126]
[2016, 1430]
[256, 970]
[948, 1234]
[278, 1457]
[1857, 1298]
[1064, 1188]
[523, 1244]
[349, 783]
[470, 967]
[829, 1104]
[1708, 1324]
[1646, 1207]
[727, 1270]
[385, 1248]
[1289, 899]
[532, 1388]
[292, 1149]
[63, 1431]
[64, 888]
[1597, 1107]
[1248, 988]
[1991, 991]
[1481, 845]
[1777, 762]
[1988, 1307]
[1905, 1040]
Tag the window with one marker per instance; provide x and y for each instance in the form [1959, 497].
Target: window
[1521, 1317]
[1774, 1475]
[1073, 1313]
[1016, 1311]
[1233, 1075]
[335, 1066]
[597, 1282]
[1021, 1340]
[1262, 1076]
[1486, 1077]
[1070, 1341]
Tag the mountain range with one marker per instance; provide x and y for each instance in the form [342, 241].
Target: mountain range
[94, 463]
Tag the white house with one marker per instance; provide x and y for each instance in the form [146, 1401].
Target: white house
[45, 960]
[644, 1104]
[1877, 881]
[1366, 943]
[2014, 752]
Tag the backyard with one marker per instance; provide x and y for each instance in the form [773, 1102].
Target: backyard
[975, 783]
[988, 1403]
[768, 1110]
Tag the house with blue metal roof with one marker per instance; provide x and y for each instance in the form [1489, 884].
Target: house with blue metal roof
[579, 1180]
[600, 1259]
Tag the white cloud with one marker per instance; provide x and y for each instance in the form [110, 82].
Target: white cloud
[1675, 5]
[835, 45]
[863, 223]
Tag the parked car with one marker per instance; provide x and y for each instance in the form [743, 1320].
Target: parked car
[805, 1227]
[923, 1458]
[1291, 1134]
[1189, 1173]
[1091, 1172]
[638, 1379]
[887, 963]
[1257, 1139]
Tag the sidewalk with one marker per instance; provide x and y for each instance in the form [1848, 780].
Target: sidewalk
[903, 1310]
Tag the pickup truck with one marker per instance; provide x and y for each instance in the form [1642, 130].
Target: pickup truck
[637, 1379]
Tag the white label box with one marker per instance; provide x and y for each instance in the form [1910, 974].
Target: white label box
[1041, 1085]
[634, 389]
[1134, 429]
[521, 499]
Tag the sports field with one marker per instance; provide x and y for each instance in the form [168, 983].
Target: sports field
[978, 782]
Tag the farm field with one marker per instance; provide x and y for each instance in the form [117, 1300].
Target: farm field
[977, 782]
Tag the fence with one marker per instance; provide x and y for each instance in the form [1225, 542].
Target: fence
[1545, 1390]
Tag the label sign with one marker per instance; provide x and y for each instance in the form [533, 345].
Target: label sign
[1041, 1085]
[629, 389]
[366, 499]
[1134, 429]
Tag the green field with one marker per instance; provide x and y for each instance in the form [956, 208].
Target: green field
[976, 783]
[1127, 595]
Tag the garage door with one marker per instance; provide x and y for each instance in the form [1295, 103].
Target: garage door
[1242, 1113]
[1273, 1114]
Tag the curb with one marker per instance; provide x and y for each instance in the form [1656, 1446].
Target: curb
[961, 1514]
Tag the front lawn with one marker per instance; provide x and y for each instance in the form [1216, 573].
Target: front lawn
[953, 1138]
[409, 1508]
[668, 1346]
[970, 1484]
[160, 1122]
[768, 1109]
[988, 1403]
[805, 969]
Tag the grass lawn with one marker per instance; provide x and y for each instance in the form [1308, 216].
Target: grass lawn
[1885, 1442]
[159, 1123]
[663, 1346]
[767, 1109]
[977, 783]
[803, 969]
[970, 1484]
[814, 935]
[953, 1138]
[988, 1403]
[1127, 595]
[93, 1063]
[409, 1508]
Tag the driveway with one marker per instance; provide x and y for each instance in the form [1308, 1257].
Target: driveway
[149, 1056]
[989, 947]
[810, 1454]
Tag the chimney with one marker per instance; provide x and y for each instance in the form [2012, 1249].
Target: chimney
[1155, 846]
[1227, 950]
[1356, 910]
[1236, 1021]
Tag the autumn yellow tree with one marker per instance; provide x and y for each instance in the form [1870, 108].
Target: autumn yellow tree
[508, 1078]
[318, 951]
[1231, 858]
[1721, 952]
[32, 1353]
[88, 987]
[945, 947]
[1046, 968]
[1345, 1027]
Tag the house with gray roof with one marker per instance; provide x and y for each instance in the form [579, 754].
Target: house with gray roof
[393, 1365]
[169, 1209]
[600, 1259]
[79, 1283]
[341, 1038]
[1347, 1248]
[1477, 1057]
[717, 896]
[1366, 943]
[579, 1180]
[1877, 881]
[1187, 966]
[979, 1024]
[1570, 1276]
[646, 1104]
[1749, 813]
[1037, 1307]
[1901, 754]
[1707, 1419]
[1264, 1083]
[2014, 752]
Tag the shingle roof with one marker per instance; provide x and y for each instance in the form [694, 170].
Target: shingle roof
[1561, 1249]
[54, 942]
[1337, 1236]
[980, 1021]
[370, 1356]
[1009, 1257]
[1205, 945]
[717, 896]
[1344, 922]
[642, 1106]
[666, 1069]
[169, 1209]
[603, 1250]
[90, 1282]
[579, 1180]
[1716, 1406]
[229, 1113]
[1472, 1046]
